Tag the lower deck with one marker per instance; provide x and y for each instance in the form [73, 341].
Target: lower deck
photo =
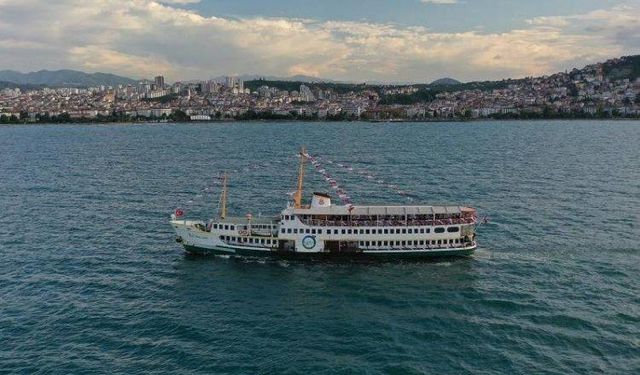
[338, 246]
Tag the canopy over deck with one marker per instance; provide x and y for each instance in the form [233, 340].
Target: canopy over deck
[255, 220]
[381, 210]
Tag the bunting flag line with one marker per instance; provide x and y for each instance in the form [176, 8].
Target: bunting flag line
[369, 176]
[340, 191]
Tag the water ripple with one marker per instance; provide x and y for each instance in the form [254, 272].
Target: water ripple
[92, 282]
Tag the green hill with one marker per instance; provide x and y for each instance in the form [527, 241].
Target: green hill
[624, 67]
[64, 78]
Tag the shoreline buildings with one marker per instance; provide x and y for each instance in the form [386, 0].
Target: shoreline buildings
[593, 91]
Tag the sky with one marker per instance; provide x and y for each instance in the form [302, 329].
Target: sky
[349, 40]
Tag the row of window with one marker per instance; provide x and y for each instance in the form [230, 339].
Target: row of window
[224, 226]
[370, 231]
[253, 241]
[409, 243]
[268, 242]
[256, 226]
[354, 231]
[245, 227]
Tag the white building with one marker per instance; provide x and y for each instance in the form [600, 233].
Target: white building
[200, 118]
[305, 94]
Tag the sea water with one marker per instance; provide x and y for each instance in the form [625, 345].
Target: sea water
[92, 281]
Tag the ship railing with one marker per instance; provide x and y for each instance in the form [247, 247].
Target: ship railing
[388, 223]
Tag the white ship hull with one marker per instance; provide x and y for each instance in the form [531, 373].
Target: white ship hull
[195, 240]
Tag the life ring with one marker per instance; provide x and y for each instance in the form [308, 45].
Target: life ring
[309, 242]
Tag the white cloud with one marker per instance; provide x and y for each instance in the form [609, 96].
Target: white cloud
[549, 21]
[179, 1]
[141, 38]
[439, 2]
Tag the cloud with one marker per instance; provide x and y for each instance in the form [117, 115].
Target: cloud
[439, 2]
[141, 38]
[549, 21]
[99, 58]
[179, 1]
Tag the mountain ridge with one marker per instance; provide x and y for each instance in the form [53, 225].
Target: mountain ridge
[77, 78]
[294, 78]
[64, 78]
[445, 82]
[620, 67]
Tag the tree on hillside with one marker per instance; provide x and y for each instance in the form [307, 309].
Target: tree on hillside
[179, 116]
[573, 89]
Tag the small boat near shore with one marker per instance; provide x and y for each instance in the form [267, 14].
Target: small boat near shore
[321, 229]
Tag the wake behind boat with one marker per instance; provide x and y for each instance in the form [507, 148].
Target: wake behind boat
[322, 229]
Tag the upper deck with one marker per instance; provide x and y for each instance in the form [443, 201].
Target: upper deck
[255, 220]
[376, 216]
[335, 210]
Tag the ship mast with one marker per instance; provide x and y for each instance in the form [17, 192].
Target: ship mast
[223, 197]
[297, 198]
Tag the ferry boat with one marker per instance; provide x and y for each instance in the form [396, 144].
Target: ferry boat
[321, 229]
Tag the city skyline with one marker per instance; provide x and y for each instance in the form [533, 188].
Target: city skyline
[606, 89]
[409, 41]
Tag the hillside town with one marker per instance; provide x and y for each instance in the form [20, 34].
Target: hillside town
[597, 91]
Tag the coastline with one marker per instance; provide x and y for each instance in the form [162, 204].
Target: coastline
[397, 121]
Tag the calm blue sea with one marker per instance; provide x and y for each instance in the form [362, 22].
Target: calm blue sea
[91, 280]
